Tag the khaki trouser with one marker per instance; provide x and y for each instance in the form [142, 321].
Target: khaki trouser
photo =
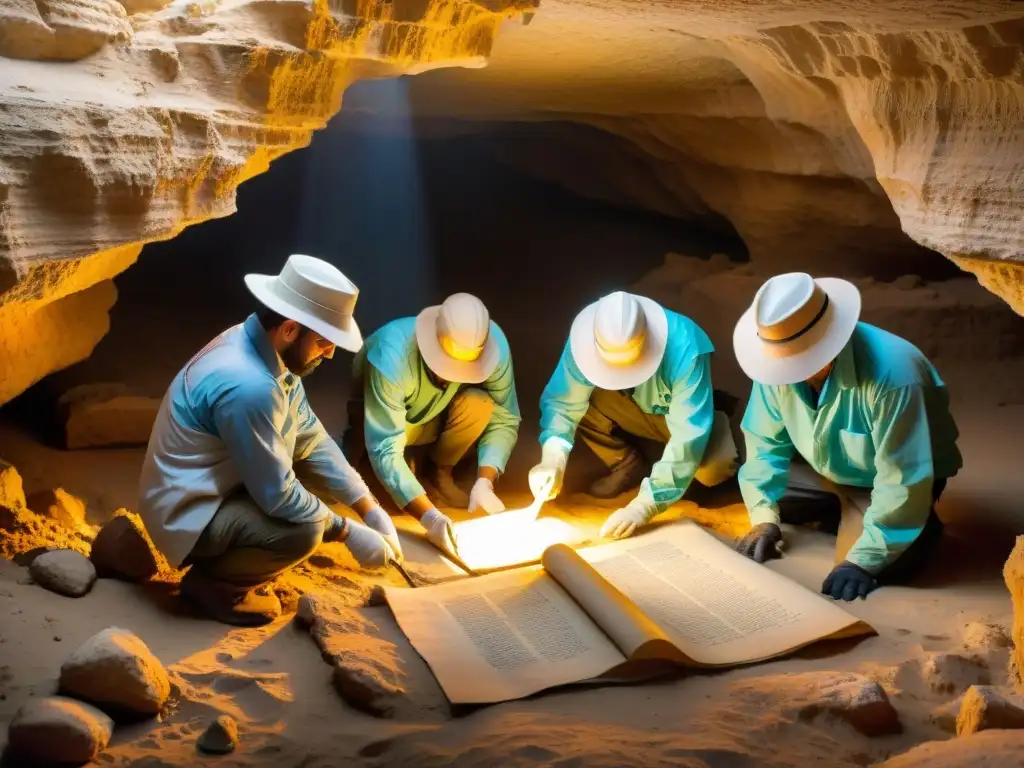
[810, 498]
[611, 413]
[450, 434]
[244, 546]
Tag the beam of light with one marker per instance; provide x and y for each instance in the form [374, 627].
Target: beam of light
[510, 538]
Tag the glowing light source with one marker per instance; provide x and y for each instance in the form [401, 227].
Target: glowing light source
[510, 538]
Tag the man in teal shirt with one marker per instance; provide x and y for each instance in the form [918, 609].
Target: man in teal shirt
[632, 367]
[864, 409]
[443, 378]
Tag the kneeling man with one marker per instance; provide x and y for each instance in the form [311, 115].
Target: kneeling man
[633, 369]
[864, 409]
[220, 489]
[444, 379]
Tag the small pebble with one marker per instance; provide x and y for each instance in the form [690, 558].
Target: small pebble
[220, 737]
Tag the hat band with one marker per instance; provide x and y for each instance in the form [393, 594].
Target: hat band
[806, 329]
[314, 307]
[462, 354]
[624, 355]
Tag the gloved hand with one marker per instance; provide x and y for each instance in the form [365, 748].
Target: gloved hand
[367, 546]
[381, 522]
[762, 543]
[439, 531]
[482, 496]
[549, 473]
[848, 582]
[625, 521]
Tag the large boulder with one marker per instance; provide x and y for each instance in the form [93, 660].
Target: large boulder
[122, 550]
[116, 671]
[1013, 574]
[58, 731]
[106, 415]
[63, 571]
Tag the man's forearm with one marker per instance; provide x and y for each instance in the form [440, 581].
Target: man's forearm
[488, 473]
[419, 506]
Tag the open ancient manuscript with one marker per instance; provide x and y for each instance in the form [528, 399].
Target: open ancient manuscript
[675, 594]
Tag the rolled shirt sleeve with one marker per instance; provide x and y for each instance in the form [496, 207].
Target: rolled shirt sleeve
[764, 476]
[502, 431]
[901, 497]
[384, 404]
[690, 417]
[322, 457]
[564, 401]
[249, 417]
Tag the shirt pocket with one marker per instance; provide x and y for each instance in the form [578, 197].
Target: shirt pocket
[859, 449]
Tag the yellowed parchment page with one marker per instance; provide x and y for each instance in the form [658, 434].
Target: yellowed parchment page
[502, 636]
[716, 606]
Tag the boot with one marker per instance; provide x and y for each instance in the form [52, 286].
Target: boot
[445, 484]
[226, 603]
[625, 475]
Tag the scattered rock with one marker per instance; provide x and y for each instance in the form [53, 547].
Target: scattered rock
[220, 737]
[58, 731]
[115, 670]
[852, 698]
[907, 282]
[122, 550]
[12, 492]
[305, 612]
[377, 596]
[104, 415]
[953, 673]
[59, 505]
[63, 571]
[1013, 574]
[986, 709]
[946, 714]
[981, 636]
[990, 749]
[361, 685]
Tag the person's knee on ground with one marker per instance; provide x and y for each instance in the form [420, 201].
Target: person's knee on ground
[466, 418]
[721, 457]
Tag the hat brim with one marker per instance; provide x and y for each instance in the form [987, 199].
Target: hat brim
[446, 366]
[347, 338]
[615, 377]
[761, 360]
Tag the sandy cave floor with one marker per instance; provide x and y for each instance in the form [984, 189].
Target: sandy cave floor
[276, 685]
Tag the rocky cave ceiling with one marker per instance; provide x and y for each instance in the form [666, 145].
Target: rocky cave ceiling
[824, 131]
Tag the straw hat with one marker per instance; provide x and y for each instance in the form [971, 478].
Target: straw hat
[619, 341]
[796, 326]
[455, 340]
[314, 294]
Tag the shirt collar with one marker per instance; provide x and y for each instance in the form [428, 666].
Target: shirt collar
[261, 342]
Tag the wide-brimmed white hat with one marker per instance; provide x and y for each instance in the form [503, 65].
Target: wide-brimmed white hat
[796, 326]
[314, 294]
[455, 340]
[619, 341]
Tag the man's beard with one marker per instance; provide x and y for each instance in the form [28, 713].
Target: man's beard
[299, 367]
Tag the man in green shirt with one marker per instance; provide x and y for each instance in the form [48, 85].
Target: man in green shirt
[445, 379]
[868, 414]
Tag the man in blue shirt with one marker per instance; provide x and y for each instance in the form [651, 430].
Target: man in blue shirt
[235, 450]
[864, 409]
[632, 368]
[444, 379]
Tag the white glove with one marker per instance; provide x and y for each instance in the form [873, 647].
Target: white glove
[481, 496]
[439, 531]
[623, 523]
[367, 546]
[549, 473]
[381, 522]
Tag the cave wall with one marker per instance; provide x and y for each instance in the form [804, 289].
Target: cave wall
[825, 132]
[123, 123]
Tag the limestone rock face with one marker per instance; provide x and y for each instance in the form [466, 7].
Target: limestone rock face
[101, 415]
[825, 133]
[58, 731]
[124, 122]
[116, 671]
